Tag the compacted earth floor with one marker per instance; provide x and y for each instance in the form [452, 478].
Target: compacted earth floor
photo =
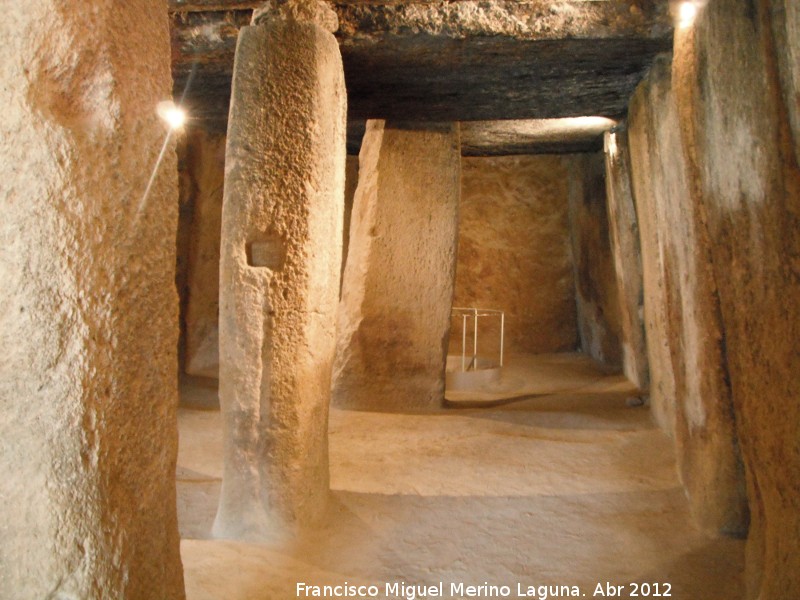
[568, 485]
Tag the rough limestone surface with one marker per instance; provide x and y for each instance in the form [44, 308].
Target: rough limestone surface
[704, 430]
[88, 308]
[623, 228]
[205, 165]
[599, 320]
[514, 253]
[279, 276]
[743, 165]
[394, 316]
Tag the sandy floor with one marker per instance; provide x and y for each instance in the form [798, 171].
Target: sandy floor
[566, 487]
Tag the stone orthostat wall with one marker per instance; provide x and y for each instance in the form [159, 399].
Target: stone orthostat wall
[686, 303]
[623, 226]
[280, 269]
[397, 292]
[730, 243]
[204, 158]
[350, 184]
[596, 293]
[514, 253]
[88, 309]
[741, 140]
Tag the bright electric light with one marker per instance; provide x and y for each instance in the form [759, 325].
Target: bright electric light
[173, 115]
[687, 14]
[612, 144]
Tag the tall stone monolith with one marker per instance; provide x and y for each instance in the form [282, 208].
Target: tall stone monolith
[279, 269]
[394, 316]
[623, 228]
[88, 308]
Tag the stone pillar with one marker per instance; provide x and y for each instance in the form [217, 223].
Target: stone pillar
[623, 228]
[88, 308]
[279, 269]
[394, 317]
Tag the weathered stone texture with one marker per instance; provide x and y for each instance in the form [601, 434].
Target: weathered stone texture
[700, 404]
[514, 253]
[279, 276]
[88, 309]
[623, 227]
[598, 313]
[205, 166]
[398, 284]
[744, 173]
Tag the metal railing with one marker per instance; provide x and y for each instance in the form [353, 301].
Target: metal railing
[475, 314]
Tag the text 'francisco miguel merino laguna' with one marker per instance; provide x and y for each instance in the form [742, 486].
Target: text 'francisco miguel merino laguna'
[405, 591]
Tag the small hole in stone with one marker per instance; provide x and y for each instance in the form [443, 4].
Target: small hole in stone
[267, 252]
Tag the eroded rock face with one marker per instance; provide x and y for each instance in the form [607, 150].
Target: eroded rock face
[394, 316]
[514, 253]
[205, 166]
[279, 276]
[88, 309]
[596, 293]
[623, 226]
[731, 91]
[703, 426]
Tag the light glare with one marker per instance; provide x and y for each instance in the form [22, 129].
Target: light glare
[612, 144]
[173, 115]
[688, 12]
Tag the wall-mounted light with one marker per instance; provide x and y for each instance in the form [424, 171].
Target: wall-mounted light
[174, 116]
[687, 12]
[612, 144]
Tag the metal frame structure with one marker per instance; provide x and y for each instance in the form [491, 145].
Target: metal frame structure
[475, 313]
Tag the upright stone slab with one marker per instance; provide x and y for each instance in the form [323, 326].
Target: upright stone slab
[689, 336]
[394, 317]
[738, 118]
[205, 158]
[279, 269]
[623, 228]
[645, 165]
[514, 253]
[595, 279]
[88, 309]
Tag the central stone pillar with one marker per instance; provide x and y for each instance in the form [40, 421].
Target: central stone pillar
[394, 317]
[279, 269]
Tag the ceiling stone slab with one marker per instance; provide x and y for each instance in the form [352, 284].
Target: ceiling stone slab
[423, 77]
[460, 60]
[534, 136]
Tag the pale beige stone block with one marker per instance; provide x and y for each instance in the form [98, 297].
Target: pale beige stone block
[394, 316]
